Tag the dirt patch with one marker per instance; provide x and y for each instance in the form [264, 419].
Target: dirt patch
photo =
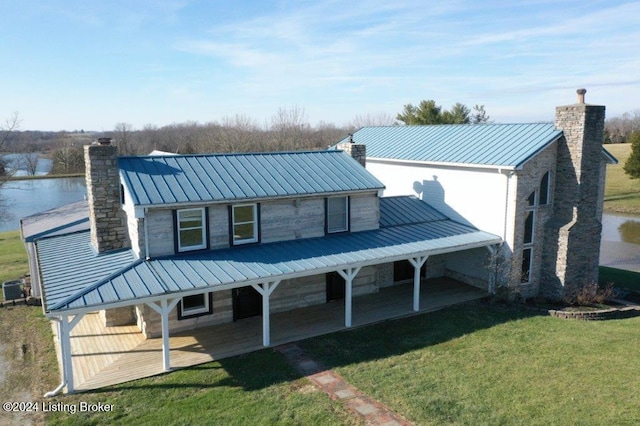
[28, 365]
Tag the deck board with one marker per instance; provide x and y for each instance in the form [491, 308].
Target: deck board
[104, 356]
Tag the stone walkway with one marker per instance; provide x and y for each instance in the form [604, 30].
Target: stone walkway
[330, 382]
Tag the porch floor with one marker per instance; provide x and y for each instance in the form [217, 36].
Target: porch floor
[104, 356]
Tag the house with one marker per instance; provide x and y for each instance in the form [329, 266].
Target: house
[171, 243]
[539, 186]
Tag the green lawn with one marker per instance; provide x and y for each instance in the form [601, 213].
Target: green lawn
[483, 365]
[622, 194]
[13, 257]
[474, 364]
[619, 278]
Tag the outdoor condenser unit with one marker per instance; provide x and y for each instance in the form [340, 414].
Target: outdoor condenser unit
[12, 290]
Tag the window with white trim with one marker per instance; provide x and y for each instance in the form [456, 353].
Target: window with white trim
[195, 305]
[244, 223]
[191, 229]
[337, 211]
[528, 237]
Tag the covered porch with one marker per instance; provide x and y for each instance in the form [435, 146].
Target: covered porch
[103, 356]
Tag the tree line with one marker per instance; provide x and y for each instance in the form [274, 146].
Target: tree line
[287, 130]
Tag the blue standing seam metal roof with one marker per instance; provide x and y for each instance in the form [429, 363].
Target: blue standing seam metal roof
[406, 210]
[208, 270]
[172, 179]
[69, 262]
[66, 219]
[506, 145]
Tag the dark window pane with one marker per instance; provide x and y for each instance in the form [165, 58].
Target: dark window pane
[197, 301]
[544, 189]
[532, 199]
[526, 265]
[528, 228]
[191, 237]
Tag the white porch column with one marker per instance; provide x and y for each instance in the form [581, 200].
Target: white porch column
[348, 275]
[65, 328]
[265, 290]
[166, 305]
[417, 263]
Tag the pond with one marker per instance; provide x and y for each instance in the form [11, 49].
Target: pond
[620, 247]
[20, 198]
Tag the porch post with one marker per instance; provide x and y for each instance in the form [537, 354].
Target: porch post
[65, 328]
[164, 309]
[265, 291]
[417, 263]
[348, 275]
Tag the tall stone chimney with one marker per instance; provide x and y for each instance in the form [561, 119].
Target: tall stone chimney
[108, 224]
[572, 241]
[356, 150]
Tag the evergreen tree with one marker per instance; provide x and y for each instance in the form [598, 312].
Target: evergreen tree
[632, 165]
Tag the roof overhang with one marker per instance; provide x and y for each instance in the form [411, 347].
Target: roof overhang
[178, 276]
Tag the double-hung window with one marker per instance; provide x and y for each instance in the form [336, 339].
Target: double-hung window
[244, 225]
[337, 209]
[195, 305]
[191, 229]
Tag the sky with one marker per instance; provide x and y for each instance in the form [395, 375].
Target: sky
[71, 65]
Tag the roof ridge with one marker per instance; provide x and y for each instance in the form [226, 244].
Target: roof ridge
[229, 154]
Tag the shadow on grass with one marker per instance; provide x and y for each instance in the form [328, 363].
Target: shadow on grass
[266, 367]
[396, 337]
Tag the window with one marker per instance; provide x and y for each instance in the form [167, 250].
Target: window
[531, 200]
[195, 306]
[544, 189]
[528, 227]
[526, 265]
[191, 229]
[245, 224]
[337, 209]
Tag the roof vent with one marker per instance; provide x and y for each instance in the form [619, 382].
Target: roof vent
[104, 141]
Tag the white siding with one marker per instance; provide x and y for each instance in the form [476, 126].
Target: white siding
[474, 197]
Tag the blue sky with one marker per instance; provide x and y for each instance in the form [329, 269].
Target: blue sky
[70, 64]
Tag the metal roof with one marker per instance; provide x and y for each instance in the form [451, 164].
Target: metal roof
[69, 262]
[170, 179]
[66, 219]
[477, 144]
[180, 274]
[406, 210]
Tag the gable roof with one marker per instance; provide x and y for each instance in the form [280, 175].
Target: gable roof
[406, 210]
[172, 179]
[505, 145]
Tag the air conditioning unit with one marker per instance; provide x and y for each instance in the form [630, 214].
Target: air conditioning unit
[12, 290]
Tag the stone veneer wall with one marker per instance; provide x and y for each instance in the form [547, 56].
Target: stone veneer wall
[108, 224]
[356, 150]
[572, 240]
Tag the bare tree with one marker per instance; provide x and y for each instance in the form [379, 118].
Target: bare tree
[290, 129]
[30, 162]
[10, 125]
[370, 120]
[122, 133]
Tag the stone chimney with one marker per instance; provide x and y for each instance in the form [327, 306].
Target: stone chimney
[572, 241]
[356, 150]
[108, 225]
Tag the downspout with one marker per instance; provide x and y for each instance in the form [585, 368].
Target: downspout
[146, 235]
[64, 380]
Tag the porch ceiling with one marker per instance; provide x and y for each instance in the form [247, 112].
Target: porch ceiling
[177, 276]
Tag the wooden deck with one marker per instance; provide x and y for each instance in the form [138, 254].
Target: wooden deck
[104, 356]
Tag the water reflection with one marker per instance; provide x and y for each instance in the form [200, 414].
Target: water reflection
[26, 197]
[630, 231]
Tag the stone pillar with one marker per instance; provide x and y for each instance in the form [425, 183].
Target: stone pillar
[356, 150]
[108, 225]
[572, 241]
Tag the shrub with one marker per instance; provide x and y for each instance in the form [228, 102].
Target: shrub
[589, 294]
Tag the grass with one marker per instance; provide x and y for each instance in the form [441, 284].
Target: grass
[13, 257]
[258, 388]
[485, 365]
[622, 194]
[620, 278]
[473, 364]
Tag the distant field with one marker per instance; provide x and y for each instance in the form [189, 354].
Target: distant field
[622, 194]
